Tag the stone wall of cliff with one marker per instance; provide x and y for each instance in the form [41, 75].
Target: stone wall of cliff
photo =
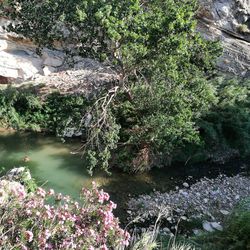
[229, 22]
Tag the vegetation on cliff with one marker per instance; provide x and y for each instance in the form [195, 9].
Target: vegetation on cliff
[163, 66]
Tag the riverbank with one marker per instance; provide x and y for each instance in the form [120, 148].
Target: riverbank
[192, 208]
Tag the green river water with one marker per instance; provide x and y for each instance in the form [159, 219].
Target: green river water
[52, 164]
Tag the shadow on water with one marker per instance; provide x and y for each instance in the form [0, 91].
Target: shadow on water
[166, 179]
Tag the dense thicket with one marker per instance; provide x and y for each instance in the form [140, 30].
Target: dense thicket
[23, 109]
[227, 124]
[163, 66]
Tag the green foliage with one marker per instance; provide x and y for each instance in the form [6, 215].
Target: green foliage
[128, 34]
[23, 109]
[162, 62]
[20, 109]
[235, 235]
[228, 122]
[27, 181]
[243, 28]
[159, 120]
[64, 111]
[98, 151]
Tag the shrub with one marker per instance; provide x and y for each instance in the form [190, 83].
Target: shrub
[159, 121]
[45, 220]
[24, 109]
[243, 28]
[227, 124]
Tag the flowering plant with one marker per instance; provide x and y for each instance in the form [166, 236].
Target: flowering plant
[46, 220]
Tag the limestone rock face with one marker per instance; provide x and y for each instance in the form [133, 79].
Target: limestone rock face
[225, 20]
[20, 62]
[87, 77]
[229, 22]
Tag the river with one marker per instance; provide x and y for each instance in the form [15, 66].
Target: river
[53, 165]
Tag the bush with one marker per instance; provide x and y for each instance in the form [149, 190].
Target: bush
[159, 121]
[243, 28]
[45, 220]
[227, 124]
[24, 109]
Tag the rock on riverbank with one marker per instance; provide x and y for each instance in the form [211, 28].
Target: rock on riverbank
[208, 200]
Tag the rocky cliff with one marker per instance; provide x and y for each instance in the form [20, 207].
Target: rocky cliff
[20, 63]
[229, 22]
[226, 20]
[19, 60]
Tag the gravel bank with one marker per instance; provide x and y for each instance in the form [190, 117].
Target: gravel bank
[208, 200]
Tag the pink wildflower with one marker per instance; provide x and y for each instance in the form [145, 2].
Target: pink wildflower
[103, 247]
[102, 196]
[28, 212]
[112, 205]
[23, 247]
[19, 191]
[51, 192]
[47, 234]
[41, 192]
[59, 197]
[29, 236]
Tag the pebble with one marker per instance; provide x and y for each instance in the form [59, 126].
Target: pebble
[166, 230]
[183, 217]
[169, 219]
[216, 226]
[202, 200]
[207, 226]
[185, 184]
[225, 212]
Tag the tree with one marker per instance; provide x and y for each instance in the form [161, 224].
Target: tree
[162, 62]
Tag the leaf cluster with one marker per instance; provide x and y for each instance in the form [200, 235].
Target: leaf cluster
[228, 121]
[24, 109]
